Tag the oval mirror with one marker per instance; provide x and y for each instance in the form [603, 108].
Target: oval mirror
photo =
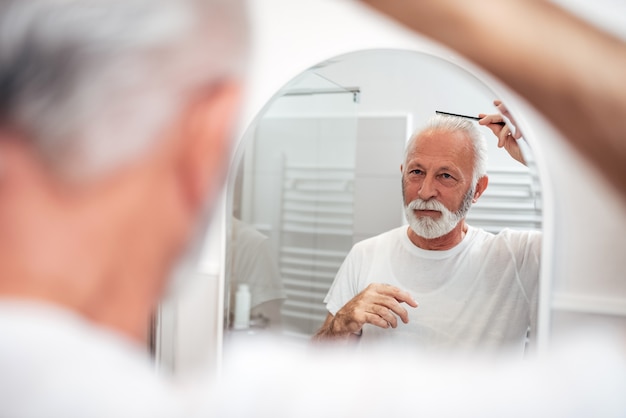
[319, 170]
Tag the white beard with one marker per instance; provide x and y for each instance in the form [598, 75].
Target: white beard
[429, 228]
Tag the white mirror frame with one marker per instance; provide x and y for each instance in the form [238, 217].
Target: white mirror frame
[531, 136]
[184, 339]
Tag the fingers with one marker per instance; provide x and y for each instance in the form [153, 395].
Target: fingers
[487, 120]
[400, 295]
[390, 295]
[503, 132]
[493, 122]
[385, 302]
[382, 317]
[507, 133]
[502, 108]
[504, 135]
[517, 134]
[378, 304]
[385, 317]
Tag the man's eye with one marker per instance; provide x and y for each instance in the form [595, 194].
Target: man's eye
[416, 171]
[446, 176]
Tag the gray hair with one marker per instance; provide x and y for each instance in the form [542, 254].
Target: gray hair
[454, 124]
[92, 82]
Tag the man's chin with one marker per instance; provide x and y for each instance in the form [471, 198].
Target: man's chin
[432, 232]
[426, 236]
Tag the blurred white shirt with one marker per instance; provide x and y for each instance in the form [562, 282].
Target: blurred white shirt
[53, 363]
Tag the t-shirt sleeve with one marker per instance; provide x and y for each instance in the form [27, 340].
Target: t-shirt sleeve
[526, 246]
[345, 285]
[529, 261]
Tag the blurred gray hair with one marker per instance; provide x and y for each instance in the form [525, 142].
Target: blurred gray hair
[454, 124]
[91, 83]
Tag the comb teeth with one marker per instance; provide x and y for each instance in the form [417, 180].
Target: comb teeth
[457, 115]
[439, 112]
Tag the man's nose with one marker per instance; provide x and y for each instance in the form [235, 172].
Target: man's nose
[427, 189]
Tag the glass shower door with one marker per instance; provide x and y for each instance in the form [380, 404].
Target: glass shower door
[295, 187]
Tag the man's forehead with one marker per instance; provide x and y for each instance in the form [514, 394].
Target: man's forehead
[441, 150]
[452, 143]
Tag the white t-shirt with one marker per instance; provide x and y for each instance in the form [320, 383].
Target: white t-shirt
[55, 364]
[481, 294]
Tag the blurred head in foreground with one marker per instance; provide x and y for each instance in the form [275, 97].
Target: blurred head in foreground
[115, 118]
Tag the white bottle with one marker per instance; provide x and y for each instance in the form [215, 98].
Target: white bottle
[242, 307]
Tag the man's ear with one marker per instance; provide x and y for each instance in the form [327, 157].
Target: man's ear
[481, 186]
[207, 130]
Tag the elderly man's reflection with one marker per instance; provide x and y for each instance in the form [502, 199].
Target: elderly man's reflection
[476, 290]
[252, 262]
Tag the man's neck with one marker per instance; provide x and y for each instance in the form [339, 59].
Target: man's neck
[134, 325]
[85, 291]
[445, 242]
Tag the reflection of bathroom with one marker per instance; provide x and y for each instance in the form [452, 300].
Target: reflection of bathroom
[321, 171]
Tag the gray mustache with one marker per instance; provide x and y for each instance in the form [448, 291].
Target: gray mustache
[419, 204]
